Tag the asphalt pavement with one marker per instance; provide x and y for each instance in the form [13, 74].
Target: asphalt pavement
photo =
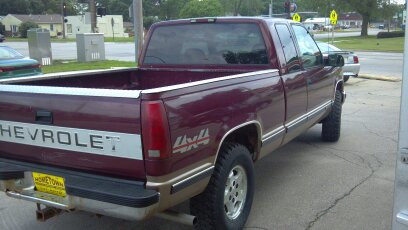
[381, 63]
[307, 184]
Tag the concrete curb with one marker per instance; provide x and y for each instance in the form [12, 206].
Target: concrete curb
[379, 77]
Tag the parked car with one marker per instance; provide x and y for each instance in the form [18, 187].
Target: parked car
[210, 98]
[351, 66]
[2, 38]
[13, 64]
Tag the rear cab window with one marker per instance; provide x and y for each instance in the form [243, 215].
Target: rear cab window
[207, 44]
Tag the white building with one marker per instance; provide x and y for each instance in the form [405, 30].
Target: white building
[312, 23]
[351, 19]
[82, 24]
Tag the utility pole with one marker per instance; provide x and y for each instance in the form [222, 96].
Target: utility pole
[63, 13]
[138, 26]
[92, 10]
[271, 9]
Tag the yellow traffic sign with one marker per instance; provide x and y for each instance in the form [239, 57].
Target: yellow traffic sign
[333, 22]
[333, 15]
[296, 17]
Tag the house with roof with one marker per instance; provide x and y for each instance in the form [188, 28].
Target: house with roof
[351, 19]
[51, 22]
[109, 25]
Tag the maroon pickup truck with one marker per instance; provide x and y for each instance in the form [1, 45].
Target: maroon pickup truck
[211, 97]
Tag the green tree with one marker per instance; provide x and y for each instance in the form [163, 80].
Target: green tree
[2, 29]
[26, 26]
[244, 7]
[367, 9]
[201, 8]
[170, 9]
[388, 9]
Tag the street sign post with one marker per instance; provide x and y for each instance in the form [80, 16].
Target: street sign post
[333, 22]
[296, 17]
[113, 29]
[333, 15]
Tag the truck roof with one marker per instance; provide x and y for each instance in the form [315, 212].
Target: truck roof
[227, 18]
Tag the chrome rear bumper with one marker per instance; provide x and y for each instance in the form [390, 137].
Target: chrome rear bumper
[99, 196]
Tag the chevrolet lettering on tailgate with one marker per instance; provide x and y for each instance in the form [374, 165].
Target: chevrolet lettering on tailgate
[80, 140]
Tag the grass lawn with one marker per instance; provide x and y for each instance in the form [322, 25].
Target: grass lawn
[369, 43]
[129, 39]
[64, 66]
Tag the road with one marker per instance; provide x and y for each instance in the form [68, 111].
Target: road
[347, 34]
[381, 63]
[307, 184]
[68, 51]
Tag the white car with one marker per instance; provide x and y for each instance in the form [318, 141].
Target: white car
[351, 66]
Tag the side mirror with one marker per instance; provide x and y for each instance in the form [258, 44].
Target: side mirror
[335, 60]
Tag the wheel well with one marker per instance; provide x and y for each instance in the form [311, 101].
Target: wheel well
[249, 136]
[339, 86]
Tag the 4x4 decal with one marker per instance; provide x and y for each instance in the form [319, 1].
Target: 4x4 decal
[184, 143]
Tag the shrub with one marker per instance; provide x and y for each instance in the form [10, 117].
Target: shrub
[26, 26]
[393, 34]
[149, 21]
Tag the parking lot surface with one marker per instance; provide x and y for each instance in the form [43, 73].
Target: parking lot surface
[307, 184]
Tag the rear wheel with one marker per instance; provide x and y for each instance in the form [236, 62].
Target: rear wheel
[227, 200]
[331, 125]
[346, 78]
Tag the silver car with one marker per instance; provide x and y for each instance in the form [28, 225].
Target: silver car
[351, 66]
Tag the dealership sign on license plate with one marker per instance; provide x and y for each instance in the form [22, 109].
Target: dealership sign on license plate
[49, 184]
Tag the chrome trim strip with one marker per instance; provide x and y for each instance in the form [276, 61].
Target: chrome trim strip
[191, 179]
[37, 200]
[63, 75]
[179, 86]
[402, 218]
[274, 134]
[308, 116]
[319, 109]
[70, 91]
[259, 127]
[296, 122]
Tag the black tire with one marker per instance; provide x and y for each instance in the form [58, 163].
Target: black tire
[331, 125]
[346, 78]
[209, 206]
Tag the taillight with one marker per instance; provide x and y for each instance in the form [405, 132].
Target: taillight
[155, 131]
[355, 58]
[36, 66]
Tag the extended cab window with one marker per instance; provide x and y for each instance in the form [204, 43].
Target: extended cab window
[207, 43]
[309, 51]
[288, 46]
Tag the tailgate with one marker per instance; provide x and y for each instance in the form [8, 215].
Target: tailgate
[90, 130]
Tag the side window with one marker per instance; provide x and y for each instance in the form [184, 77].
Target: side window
[309, 51]
[288, 47]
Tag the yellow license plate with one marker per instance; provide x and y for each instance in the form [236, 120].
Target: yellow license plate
[49, 184]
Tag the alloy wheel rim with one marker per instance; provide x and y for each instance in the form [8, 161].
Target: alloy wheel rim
[235, 192]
